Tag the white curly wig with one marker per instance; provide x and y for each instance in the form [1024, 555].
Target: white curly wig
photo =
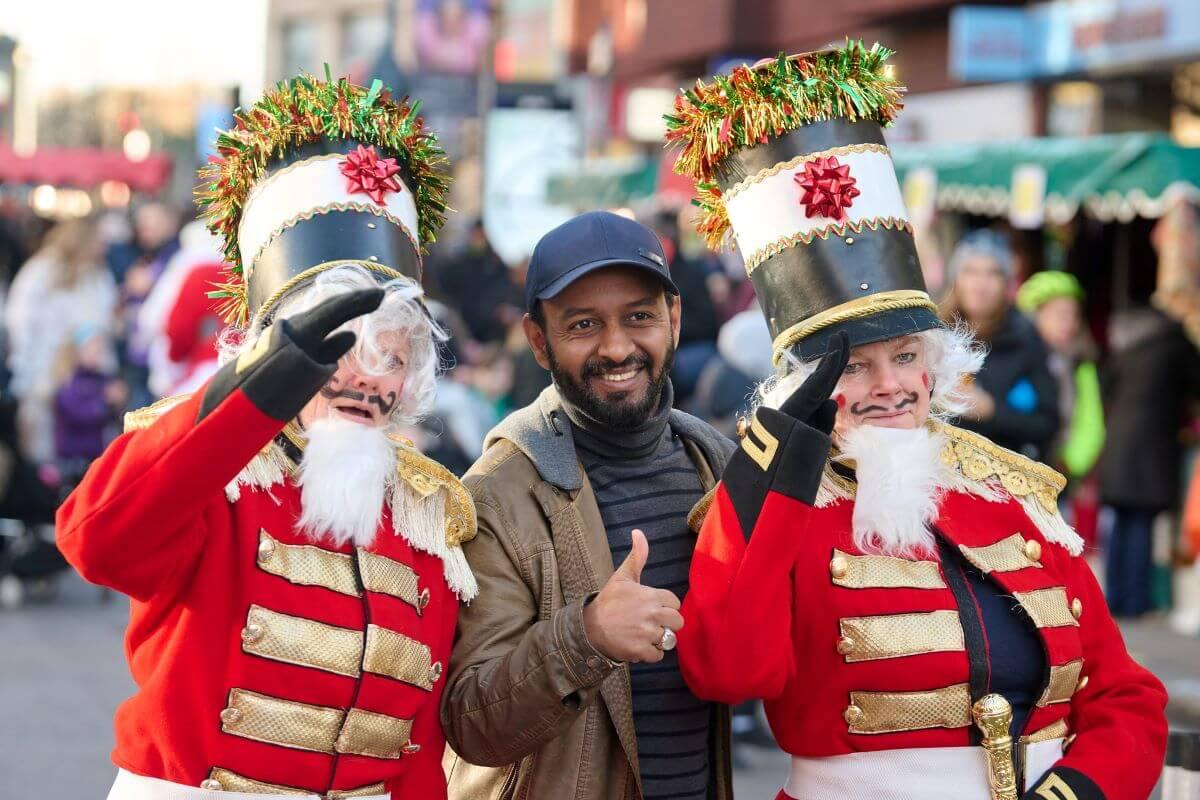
[951, 354]
[401, 311]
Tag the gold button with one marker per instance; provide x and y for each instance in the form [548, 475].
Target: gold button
[212, 785]
[845, 645]
[423, 599]
[853, 715]
[839, 566]
[435, 671]
[411, 749]
[1076, 608]
[1082, 683]
[1033, 550]
[266, 548]
[230, 716]
[743, 426]
[252, 633]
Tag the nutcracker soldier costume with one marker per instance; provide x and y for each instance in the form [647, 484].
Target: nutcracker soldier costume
[903, 594]
[294, 564]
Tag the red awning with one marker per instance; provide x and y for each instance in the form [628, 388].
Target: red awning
[84, 168]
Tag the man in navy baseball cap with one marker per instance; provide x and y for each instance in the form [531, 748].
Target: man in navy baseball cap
[598, 477]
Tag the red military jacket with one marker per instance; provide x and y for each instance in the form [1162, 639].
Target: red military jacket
[266, 662]
[856, 652]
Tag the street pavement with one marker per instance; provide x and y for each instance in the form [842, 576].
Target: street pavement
[63, 673]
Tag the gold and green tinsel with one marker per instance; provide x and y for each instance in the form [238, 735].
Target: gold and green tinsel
[713, 120]
[302, 110]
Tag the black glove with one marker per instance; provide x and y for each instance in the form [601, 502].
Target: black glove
[811, 403]
[310, 330]
[293, 358]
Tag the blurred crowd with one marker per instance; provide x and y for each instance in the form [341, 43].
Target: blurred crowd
[107, 314]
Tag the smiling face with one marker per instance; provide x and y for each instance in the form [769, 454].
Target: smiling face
[886, 384]
[358, 395]
[609, 339]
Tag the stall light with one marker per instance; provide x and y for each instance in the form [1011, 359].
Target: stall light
[114, 194]
[44, 199]
[136, 145]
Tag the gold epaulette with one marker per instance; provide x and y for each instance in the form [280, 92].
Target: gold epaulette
[980, 459]
[142, 418]
[426, 476]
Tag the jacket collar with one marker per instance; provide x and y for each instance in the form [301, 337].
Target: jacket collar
[542, 432]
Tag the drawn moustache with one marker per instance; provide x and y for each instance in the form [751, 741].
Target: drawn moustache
[385, 404]
[858, 410]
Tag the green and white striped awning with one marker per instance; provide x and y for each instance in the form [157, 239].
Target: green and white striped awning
[1110, 177]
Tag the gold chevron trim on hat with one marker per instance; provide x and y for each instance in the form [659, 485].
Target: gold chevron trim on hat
[292, 222]
[313, 272]
[767, 172]
[807, 237]
[855, 309]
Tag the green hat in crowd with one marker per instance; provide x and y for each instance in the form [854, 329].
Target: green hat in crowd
[1043, 287]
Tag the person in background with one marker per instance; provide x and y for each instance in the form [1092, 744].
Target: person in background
[1014, 399]
[1153, 373]
[88, 401]
[156, 227]
[64, 284]
[726, 387]
[699, 327]
[479, 285]
[1053, 300]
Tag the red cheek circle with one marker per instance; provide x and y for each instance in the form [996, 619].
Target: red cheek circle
[840, 399]
[925, 380]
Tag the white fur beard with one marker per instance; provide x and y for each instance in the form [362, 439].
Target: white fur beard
[345, 475]
[901, 479]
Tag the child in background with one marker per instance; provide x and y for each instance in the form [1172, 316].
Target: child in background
[1053, 300]
[88, 401]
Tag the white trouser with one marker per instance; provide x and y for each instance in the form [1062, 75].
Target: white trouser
[128, 786]
[930, 773]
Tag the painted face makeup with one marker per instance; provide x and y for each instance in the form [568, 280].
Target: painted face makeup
[385, 403]
[885, 384]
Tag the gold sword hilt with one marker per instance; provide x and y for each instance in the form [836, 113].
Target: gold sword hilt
[993, 717]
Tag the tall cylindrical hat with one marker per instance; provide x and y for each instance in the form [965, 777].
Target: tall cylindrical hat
[790, 163]
[317, 174]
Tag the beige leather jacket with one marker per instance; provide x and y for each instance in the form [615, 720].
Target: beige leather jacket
[531, 710]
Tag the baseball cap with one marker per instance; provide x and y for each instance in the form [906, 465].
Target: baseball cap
[587, 243]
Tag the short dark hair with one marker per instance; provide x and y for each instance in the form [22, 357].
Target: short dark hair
[538, 313]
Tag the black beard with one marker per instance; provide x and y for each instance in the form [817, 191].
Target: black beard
[620, 411]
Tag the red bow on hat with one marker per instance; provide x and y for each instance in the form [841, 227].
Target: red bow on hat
[367, 173]
[828, 188]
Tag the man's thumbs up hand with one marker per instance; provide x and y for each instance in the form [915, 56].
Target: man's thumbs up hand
[631, 568]
[626, 621]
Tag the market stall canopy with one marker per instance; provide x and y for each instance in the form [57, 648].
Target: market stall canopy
[83, 168]
[1111, 177]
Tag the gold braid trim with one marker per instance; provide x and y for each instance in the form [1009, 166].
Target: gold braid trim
[980, 459]
[807, 237]
[854, 309]
[426, 476]
[695, 518]
[312, 272]
[351, 205]
[768, 172]
[142, 418]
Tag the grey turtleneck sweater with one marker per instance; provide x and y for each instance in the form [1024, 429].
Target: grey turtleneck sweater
[643, 478]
